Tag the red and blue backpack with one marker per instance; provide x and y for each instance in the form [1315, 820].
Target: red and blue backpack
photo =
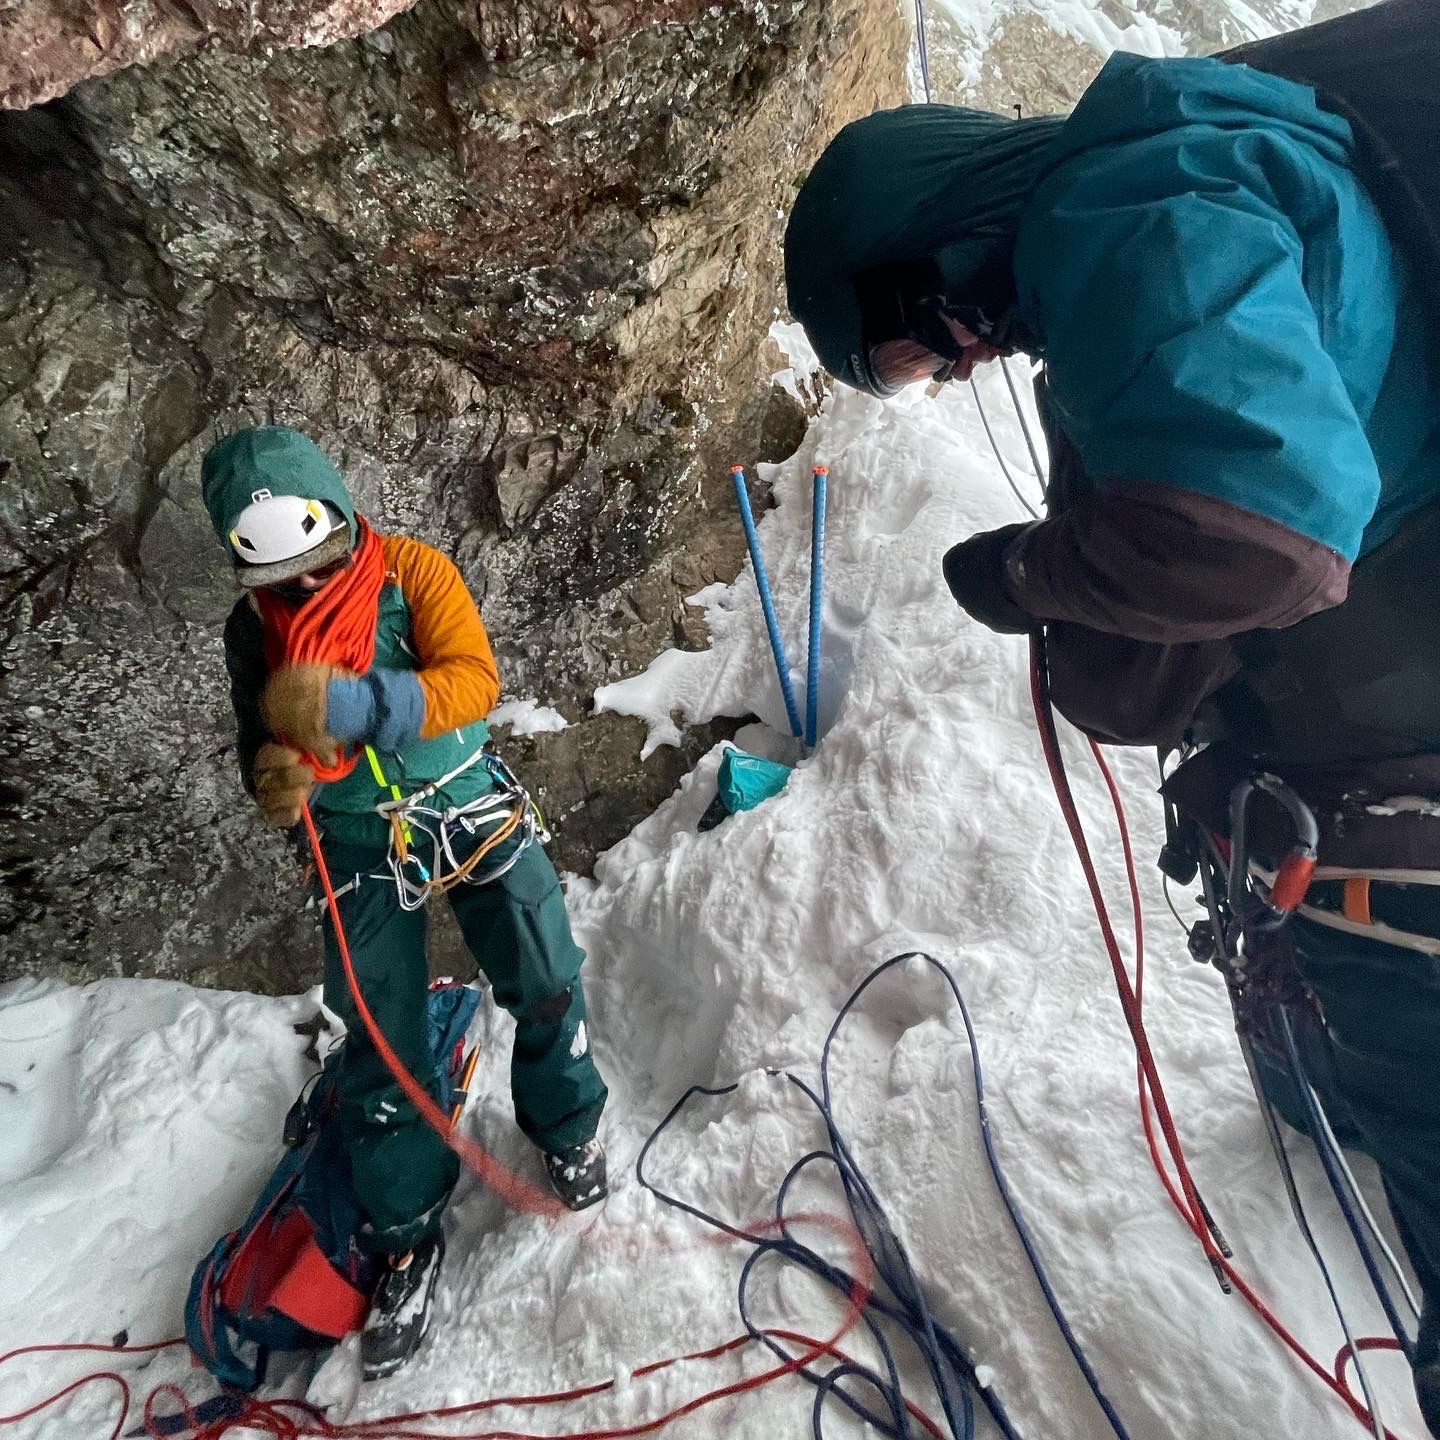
[293, 1277]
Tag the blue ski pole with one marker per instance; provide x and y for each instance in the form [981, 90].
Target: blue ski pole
[762, 583]
[817, 570]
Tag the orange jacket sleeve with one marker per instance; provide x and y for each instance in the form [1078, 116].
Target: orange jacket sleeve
[457, 667]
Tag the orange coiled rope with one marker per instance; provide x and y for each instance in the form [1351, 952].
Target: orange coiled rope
[335, 626]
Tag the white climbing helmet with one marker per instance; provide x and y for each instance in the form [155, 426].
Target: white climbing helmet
[277, 537]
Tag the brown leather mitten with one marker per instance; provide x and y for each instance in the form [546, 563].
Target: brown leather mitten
[295, 703]
[283, 782]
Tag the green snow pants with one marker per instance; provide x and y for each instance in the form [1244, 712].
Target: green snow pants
[518, 932]
[1376, 1068]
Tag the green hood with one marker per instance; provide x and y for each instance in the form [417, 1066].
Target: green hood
[273, 458]
[925, 182]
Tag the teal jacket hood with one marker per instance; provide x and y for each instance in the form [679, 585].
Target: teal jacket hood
[924, 182]
[273, 458]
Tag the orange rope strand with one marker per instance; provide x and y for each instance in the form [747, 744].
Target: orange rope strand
[335, 626]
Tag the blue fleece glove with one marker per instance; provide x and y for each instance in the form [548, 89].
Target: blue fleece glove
[385, 708]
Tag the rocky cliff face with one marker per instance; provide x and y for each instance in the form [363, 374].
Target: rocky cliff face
[511, 264]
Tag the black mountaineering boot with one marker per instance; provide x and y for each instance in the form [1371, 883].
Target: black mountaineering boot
[577, 1175]
[400, 1312]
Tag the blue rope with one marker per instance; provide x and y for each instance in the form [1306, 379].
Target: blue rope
[924, 49]
[951, 1371]
[1334, 1173]
[767, 603]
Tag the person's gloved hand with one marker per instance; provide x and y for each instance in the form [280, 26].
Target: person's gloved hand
[975, 573]
[296, 708]
[283, 782]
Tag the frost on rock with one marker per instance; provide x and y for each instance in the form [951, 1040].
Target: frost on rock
[527, 717]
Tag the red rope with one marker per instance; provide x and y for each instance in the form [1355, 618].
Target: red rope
[1192, 1214]
[521, 1195]
[275, 1418]
[279, 1418]
[111, 1375]
[1050, 741]
[292, 1419]
[289, 1420]
[1367, 1342]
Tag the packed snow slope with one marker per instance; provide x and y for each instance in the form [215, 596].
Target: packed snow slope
[137, 1119]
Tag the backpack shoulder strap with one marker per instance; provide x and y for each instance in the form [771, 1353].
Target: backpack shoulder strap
[207, 1333]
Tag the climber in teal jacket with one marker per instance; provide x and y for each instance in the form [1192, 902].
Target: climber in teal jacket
[1244, 500]
[1237, 391]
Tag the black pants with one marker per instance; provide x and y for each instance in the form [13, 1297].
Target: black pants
[1376, 1067]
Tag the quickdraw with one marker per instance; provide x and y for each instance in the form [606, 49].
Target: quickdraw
[1270, 906]
[1248, 905]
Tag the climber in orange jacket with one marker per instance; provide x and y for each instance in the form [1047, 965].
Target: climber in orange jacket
[423, 798]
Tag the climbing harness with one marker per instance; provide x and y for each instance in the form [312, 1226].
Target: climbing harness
[503, 814]
[1245, 937]
[422, 830]
[1196, 1216]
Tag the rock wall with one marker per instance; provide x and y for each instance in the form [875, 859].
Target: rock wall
[511, 264]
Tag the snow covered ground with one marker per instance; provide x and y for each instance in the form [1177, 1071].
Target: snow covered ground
[137, 1118]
